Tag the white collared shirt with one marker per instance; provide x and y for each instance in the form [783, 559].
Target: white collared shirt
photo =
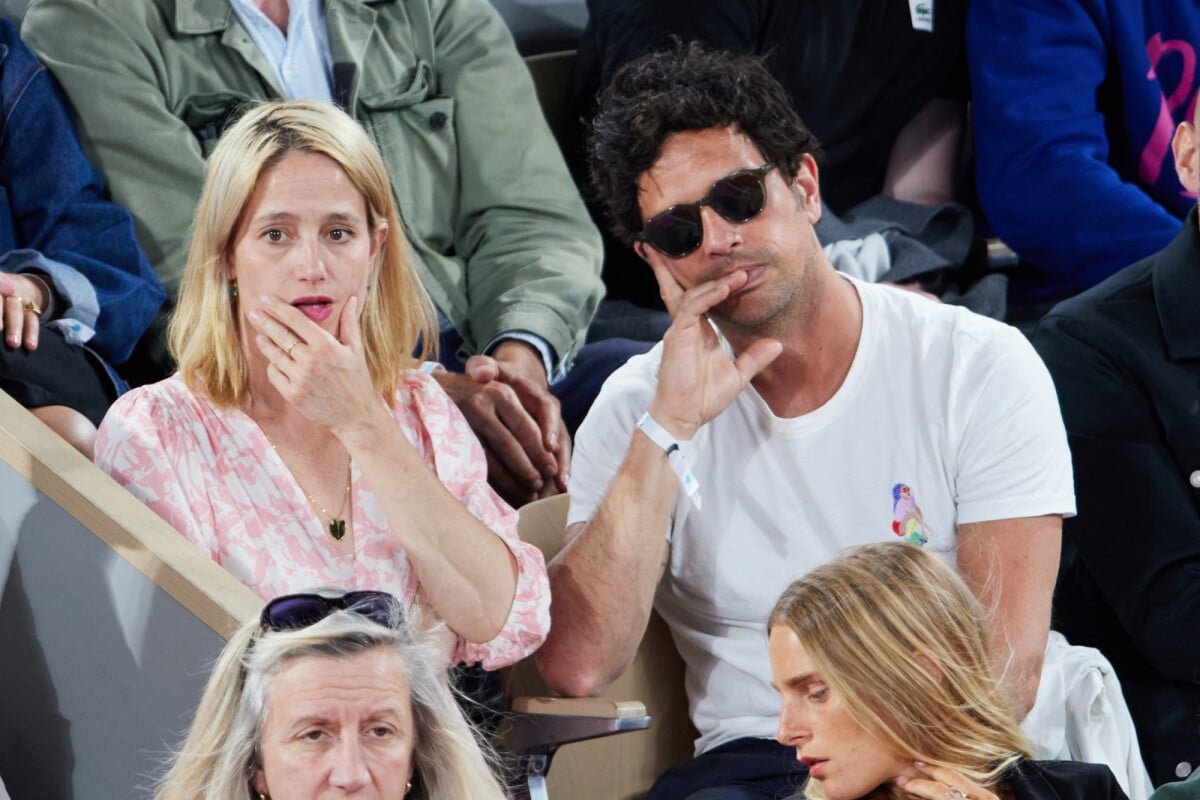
[302, 60]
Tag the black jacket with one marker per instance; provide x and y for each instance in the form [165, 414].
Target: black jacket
[1063, 780]
[1125, 357]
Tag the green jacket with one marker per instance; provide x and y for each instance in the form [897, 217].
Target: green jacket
[499, 234]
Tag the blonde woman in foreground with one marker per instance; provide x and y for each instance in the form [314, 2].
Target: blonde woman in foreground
[882, 663]
[329, 697]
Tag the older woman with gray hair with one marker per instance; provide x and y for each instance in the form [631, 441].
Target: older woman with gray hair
[329, 694]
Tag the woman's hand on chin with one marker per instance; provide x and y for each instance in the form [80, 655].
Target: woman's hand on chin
[940, 783]
[324, 378]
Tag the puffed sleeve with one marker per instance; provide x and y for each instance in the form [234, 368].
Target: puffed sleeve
[460, 464]
[149, 444]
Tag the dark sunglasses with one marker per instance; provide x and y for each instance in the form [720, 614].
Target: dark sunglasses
[294, 611]
[679, 230]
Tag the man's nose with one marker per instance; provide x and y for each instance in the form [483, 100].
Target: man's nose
[720, 235]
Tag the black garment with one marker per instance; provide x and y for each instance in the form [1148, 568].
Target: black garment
[1063, 780]
[754, 769]
[1125, 356]
[856, 70]
[744, 769]
[57, 374]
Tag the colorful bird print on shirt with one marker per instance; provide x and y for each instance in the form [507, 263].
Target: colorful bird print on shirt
[907, 521]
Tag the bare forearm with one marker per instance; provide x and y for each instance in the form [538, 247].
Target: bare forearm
[467, 574]
[603, 581]
[1010, 566]
[1020, 671]
[922, 162]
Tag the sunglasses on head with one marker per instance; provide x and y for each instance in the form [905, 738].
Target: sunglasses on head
[294, 611]
[738, 198]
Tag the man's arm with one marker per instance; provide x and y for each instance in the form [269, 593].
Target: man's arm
[506, 399]
[1042, 148]
[603, 580]
[87, 249]
[112, 71]
[921, 167]
[532, 254]
[1137, 536]
[1011, 566]
[1013, 487]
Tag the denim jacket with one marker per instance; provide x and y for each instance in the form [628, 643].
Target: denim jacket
[499, 234]
[56, 219]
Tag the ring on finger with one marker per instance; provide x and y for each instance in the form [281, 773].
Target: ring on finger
[954, 793]
[26, 305]
[291, 346]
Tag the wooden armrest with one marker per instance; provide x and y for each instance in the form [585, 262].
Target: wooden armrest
[579, 707]
[540, 725]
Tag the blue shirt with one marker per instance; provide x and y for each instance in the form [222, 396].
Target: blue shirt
[302, 59]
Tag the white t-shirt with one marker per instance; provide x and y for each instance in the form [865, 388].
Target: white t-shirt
[945, 417]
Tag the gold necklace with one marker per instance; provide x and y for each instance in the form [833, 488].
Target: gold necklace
[337, 524]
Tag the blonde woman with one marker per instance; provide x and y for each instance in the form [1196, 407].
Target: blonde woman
[329, 696]
[298, 445]
[882, 664]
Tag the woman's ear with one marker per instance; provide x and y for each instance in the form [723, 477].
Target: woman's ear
[259, 782]
[378, 237]
[929, 665]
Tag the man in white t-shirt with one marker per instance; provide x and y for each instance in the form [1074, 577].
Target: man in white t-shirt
[788, 413]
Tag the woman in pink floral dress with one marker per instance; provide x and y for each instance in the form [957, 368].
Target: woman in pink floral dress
[298, 444]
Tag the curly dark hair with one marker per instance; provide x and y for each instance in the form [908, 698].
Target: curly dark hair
[686, 88]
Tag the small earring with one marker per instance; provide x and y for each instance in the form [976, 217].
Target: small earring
[233, 293]
[262, 796]
[368, 288]
[408, 787]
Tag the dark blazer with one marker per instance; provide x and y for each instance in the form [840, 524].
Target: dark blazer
[1125, 357]
[1063, 780]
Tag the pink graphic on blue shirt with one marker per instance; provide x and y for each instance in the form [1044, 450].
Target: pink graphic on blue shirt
[907, 520]
[1174, 108]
